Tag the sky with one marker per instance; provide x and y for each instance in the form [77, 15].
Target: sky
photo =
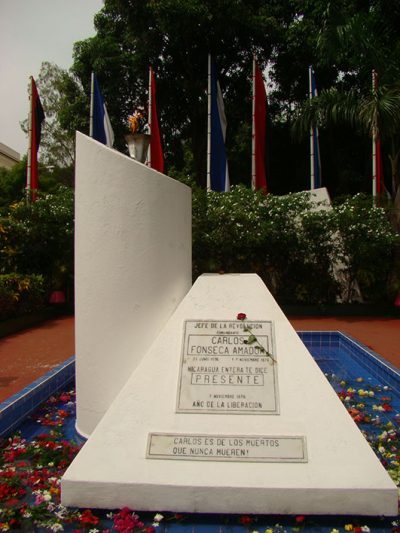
[33, 31]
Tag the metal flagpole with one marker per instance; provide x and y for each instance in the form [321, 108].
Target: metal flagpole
[374, 137]
[149, 116]
[30, 119]
[312, 168]
[253, 129]
[209, 125]
[91, 104]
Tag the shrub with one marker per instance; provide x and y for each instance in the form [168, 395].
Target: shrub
[37, 238]
[293, 245]
[21, 294]
[366, 246]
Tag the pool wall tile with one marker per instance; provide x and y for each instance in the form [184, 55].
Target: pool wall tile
[327, 347]
[16, 408]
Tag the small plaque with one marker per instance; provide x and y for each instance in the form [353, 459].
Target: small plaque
[223, 370]
[259, 449]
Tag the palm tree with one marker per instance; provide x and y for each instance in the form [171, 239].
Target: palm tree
[375, 112]
[356, 43]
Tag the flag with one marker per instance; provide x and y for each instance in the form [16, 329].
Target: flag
[35, 131]
[315, 161]
[217, 171]
[259, 180]
[377, 167]
[100, 125]
[156, 159]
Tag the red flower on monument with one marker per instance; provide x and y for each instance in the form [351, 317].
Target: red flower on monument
[241, 316]
[245, 520]
[300, 519]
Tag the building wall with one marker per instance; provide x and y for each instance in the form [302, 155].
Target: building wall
[8, 156]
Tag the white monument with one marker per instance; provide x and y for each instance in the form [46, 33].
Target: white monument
[132, 268]
[229, 416]
[205, 411]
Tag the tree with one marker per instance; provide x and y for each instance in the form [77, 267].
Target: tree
[175, 36]
[358, 43]
[55, 87]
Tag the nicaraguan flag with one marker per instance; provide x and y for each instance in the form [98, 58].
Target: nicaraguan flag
[37, 117]
[315, 161]
[156, 151]
[259, 179]
[219, 177]
[101, 128]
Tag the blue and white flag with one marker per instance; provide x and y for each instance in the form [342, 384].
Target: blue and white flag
[315, 161]
[218, 177]
[100, 125]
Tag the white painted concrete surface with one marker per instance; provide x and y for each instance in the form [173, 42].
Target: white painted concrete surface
[132, 268]
[342, 475]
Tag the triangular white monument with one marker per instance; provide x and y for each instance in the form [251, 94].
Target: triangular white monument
[210, 423]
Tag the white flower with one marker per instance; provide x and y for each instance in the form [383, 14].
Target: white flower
[365, 528]
[94, 530]
[56, 527]
[158, 517]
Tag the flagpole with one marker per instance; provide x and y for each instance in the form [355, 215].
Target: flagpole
[374, 138]
[209, 125]
[312, 169]
[91, 104]
[253, 129]
[30, 118]
[149, 116]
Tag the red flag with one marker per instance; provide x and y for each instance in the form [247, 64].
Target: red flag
[259, 180]
[156, 151]
[37, 117]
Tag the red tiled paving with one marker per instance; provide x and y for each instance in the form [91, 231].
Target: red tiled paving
[27, 355]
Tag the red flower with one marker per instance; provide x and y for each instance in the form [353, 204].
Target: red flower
[150, 529]
[241, 316]
[387, 407]
[245, 520]
[300, 519]
[65, 397]
[87, 518]
[357, 529]
[179, 516]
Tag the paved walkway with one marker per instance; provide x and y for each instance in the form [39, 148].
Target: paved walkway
[27, 355]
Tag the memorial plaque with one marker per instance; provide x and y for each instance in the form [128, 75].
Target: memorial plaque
[275, 449]
[228, 367]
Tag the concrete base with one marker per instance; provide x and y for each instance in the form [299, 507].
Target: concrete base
[341, 474]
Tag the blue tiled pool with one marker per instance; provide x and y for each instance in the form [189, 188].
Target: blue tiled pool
[342, 356]
[347, 364]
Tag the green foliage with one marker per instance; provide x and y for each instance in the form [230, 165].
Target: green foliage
[21, 294]
[59, 93]
[131, 35]
[366, 246]
[300, 249]
[37, 238]
[13, 182]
